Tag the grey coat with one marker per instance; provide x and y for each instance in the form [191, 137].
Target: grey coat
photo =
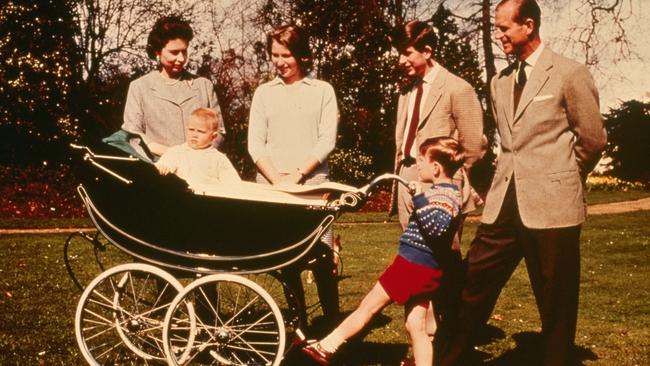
[158, 112]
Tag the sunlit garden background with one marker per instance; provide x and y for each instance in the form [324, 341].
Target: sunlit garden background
[64, 72]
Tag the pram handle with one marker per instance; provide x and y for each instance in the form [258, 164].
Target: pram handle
[90, 156]
[353, 200]
[365, 190]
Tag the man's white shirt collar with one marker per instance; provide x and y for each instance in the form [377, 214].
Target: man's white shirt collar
[532, 59]
[431, 75]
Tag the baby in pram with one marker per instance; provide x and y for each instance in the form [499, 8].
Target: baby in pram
[196, 161]
[207, 171]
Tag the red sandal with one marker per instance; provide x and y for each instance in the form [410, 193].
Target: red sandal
[317, 353]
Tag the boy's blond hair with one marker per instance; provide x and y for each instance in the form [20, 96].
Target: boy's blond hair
[207, 115]
[446, 151]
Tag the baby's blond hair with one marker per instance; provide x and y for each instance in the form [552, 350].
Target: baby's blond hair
[446, 151]
[207, 115]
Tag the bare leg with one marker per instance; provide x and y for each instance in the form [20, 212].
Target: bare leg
[374, 301]
[417, 330]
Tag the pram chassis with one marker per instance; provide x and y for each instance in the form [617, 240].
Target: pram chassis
[221, 318]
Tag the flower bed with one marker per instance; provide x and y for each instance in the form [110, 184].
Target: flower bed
[608, 183]
[39, 192]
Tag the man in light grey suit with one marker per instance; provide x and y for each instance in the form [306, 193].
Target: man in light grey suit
[439, 104]
[547, 112]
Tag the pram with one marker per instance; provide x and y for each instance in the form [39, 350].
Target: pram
[140, 313]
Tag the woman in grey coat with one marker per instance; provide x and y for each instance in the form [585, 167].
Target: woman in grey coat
[159, 103]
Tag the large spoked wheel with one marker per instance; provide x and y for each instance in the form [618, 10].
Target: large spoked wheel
[283, 296]
[120, 315]
[237, 323]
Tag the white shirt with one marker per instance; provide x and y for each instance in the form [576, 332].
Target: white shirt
[427, 81]
[290, 124]
[199, 167]
[531, 60]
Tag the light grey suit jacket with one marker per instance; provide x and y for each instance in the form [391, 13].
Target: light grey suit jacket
[451, 109]
[549, 144]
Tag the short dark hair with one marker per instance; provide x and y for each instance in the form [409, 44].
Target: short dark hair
[296, 40]
[446, 151]
[525, 9]
[166, 29]
[414, 33]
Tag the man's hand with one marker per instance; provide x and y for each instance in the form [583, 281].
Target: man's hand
[415, 188]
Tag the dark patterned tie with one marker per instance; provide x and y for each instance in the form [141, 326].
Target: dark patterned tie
[415, 121]
[520, 83]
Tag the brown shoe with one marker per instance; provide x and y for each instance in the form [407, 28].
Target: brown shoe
[317, 353]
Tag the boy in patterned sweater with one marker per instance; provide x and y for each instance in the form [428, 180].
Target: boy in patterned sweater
[415, 273]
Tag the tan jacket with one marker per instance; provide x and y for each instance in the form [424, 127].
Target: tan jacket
[549, 144]
[451, 109]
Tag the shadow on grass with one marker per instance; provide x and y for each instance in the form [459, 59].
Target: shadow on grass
[365, 353]
[355, 351]
[528, 352]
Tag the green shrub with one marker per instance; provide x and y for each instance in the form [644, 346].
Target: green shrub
[350, 166]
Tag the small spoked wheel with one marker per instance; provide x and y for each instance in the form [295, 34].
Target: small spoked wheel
[237, 323]
[119, 318]
[79, 248]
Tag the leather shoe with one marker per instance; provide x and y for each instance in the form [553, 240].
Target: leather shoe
[317, 353]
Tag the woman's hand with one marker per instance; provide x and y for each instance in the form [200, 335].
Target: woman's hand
[292, 178]
[156, 148]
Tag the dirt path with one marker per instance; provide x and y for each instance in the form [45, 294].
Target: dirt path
[606, 208]
[619, 207]
[599, 209]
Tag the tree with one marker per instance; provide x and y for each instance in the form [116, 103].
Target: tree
[37, 81]
[628, 128]
[596, 31]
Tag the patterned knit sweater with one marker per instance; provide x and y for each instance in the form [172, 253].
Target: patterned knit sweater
[432, 224]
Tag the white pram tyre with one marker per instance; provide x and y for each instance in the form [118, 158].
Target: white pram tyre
[119, 317]
[237, 323]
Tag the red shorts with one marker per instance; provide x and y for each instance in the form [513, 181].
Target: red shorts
[404, 280]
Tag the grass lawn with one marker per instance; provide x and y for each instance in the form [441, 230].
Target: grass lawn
[38, 300]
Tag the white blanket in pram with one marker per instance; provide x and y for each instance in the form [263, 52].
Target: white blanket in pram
[313, 195]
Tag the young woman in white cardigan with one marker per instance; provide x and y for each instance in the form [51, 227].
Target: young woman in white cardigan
[291, 132]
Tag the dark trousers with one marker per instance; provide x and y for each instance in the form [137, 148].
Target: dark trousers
[553, 261]
[320, 261]
[446, 299]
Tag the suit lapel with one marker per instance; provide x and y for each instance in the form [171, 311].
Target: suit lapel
[402, 110]
[538, 78]
[504, 93]
[435, 92]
